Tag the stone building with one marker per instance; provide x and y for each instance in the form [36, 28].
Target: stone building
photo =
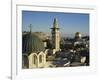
[33, 51]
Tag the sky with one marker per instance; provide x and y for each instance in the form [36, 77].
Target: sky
[69, 23]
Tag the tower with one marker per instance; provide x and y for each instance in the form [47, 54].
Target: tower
[55, 36]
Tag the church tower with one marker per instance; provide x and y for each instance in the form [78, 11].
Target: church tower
[55, 36]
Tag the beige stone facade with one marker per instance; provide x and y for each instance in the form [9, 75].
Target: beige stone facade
[37, 60]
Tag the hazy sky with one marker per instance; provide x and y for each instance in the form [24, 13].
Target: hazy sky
[69, 23]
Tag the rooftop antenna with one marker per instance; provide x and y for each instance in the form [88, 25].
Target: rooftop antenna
[30, 26]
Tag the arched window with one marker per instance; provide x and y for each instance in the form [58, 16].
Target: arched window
[40, 58]
[34, 59]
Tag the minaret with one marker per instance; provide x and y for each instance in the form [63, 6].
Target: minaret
[55, 36]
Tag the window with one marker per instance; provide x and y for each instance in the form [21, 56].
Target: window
[40, 58]
[34, 59]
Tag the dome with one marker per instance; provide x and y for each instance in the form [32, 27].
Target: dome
[32, 43]
[78, 35]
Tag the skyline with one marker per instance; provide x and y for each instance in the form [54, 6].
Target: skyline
[69, 23]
